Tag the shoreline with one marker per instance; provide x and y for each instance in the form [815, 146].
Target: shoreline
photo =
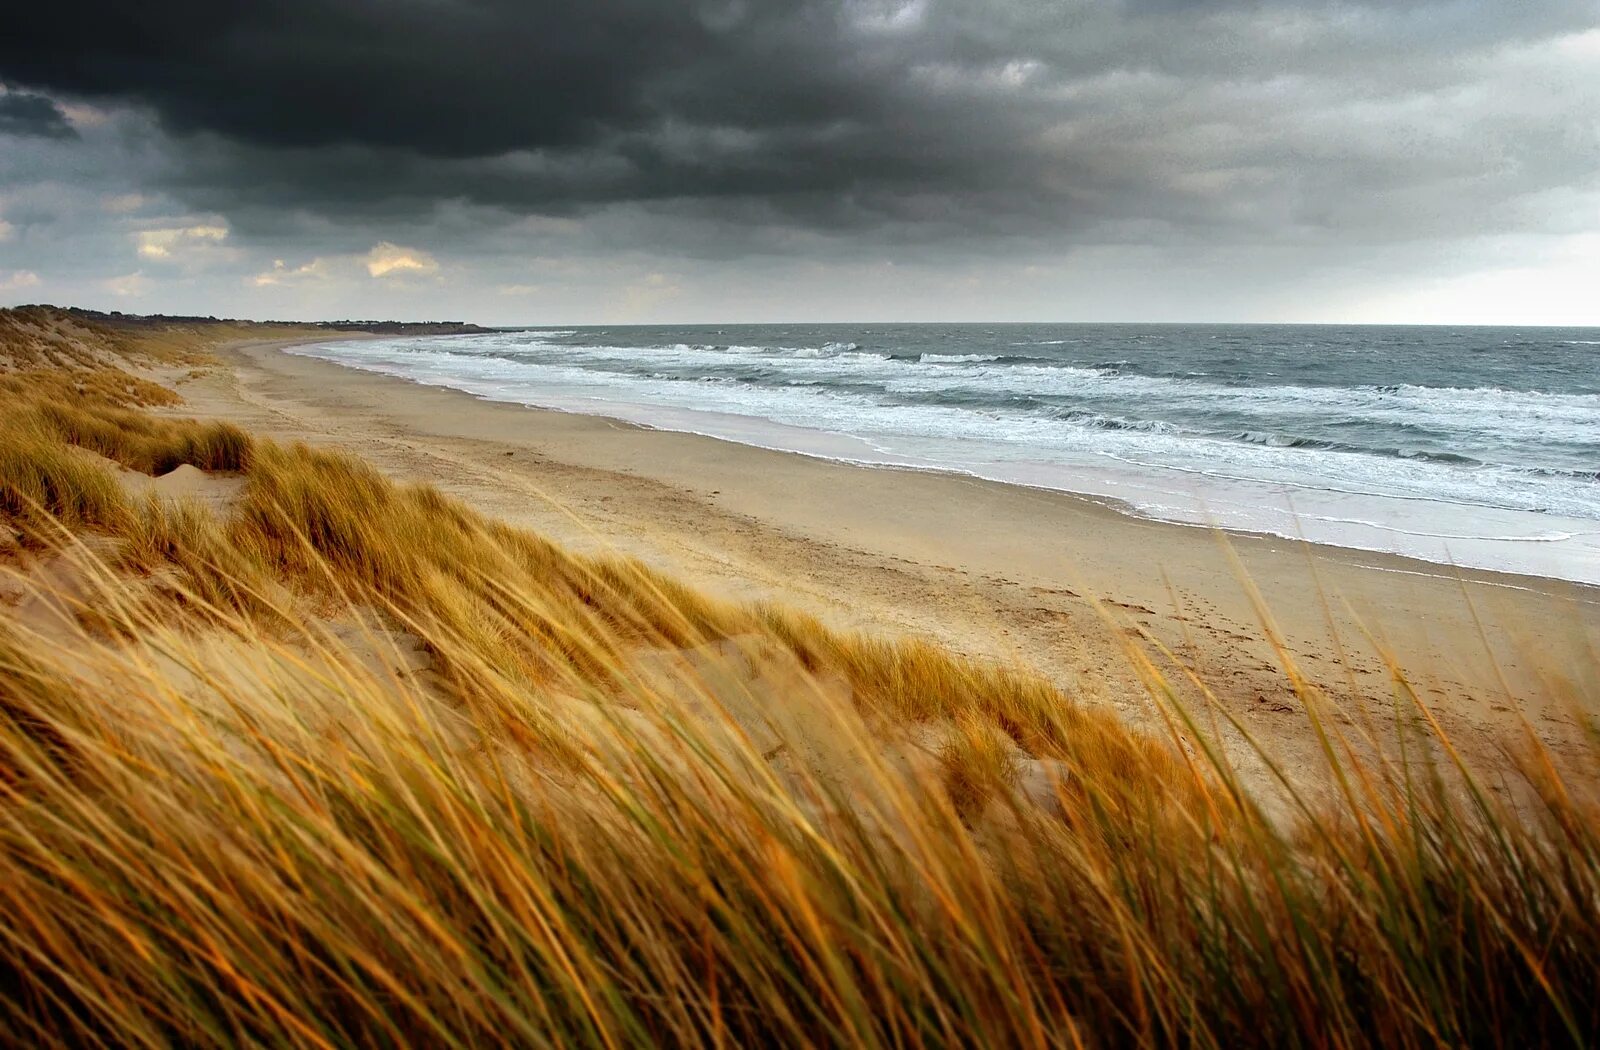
[1055, 580]
[1448, 528]
[1588, 592]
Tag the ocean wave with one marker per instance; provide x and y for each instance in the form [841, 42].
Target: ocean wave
[668, 377]
[1035, 374]
[1097, 421]
[1508, 416]
[710, 355]
[1494, 414]
[1468, 445]
[1276, 440]
[1272, 440]
[1485, 393]
[1582, 474]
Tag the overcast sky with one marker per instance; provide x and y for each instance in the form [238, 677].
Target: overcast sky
[530, 161]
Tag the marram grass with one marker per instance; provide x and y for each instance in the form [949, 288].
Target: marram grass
[233, 810]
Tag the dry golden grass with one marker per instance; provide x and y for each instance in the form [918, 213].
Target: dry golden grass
[35, 338]
[978, 764]
[101, 385]
[42, 337]
[43, 480]
[231, 813]
[146, 443]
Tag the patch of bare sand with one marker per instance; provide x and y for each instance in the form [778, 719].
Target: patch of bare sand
[185, 482]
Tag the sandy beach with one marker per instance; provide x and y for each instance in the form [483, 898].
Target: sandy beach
[1047, 579]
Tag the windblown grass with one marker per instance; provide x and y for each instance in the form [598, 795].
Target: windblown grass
[102, 386]
[147, 443]
[46, 338]
[43, 481]
[225, 821]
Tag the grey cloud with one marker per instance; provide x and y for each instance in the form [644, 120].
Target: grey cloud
[26, 114]
[818, 126]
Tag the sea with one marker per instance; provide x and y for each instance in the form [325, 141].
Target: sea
[1475, 447]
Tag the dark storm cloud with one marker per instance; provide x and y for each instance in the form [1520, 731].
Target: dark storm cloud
[446, 79]
[22, 113]
[932, 120]
[527, 106]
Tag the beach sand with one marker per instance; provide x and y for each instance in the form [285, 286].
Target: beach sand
[1054, 581]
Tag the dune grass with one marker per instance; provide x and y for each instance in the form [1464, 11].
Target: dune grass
[43, 481]
[225, 817]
